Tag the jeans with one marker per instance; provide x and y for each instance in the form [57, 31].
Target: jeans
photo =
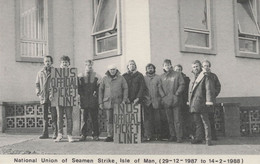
[201, 119]
[212, 121]
[174, 121]
[53, 110]
[94, 121]
[68, 113]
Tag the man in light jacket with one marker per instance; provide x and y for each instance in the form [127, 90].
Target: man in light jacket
[200, 97]
[112, 90]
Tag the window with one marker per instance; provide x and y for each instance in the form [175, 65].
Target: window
[106, 28]
[247, 16]
[196, 28]
[32, 30]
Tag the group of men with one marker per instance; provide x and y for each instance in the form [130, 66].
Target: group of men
[167, 94]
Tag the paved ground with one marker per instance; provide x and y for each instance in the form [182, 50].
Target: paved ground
[30, 144]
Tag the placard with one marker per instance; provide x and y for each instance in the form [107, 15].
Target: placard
[127, 123]
[64, 86]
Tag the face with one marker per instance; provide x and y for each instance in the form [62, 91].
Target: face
[88, 67]
[167, 66]
[196, 68]
[177, 69]
[112, 71]
[47, 62]
[131, 66]
[205, 66]
[150, 70]
[64, 64]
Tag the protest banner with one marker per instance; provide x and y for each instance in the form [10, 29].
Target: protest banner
[64, 86]
[127, 123]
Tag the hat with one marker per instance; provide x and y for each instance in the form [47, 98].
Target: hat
[112, 66]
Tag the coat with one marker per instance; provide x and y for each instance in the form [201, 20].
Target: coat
[216, 82]
[43, 80]
[112, 90]
[136, 85]
[88, 84]
[201, 93]
[172, 88]
[152, 94]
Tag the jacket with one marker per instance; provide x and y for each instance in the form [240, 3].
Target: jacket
[216, 82]
[43, 80]
[112, 90]
[136, 85]
[88, 84]
[201, 93]
[152, 94]
[172, 88]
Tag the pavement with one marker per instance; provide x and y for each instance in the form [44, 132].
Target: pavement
[31, 144]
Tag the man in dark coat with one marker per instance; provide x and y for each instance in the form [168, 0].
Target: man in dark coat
[88, 91]
[201, 96]
[217, 86]
[171, 91]
[135, 82]
[186, 116]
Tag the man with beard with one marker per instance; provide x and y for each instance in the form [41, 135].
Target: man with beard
[172, 89]
[135, 82]
[201, 96]
[152, 104]
[113, 90]
[217, 86]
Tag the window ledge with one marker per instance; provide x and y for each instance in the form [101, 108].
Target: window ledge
[106, 55]
[198, 51]
[29, 59]
[248, 55]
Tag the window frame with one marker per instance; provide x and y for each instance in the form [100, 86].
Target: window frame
[211, 50]
[239, 53]
[116, 24]
[47, 14]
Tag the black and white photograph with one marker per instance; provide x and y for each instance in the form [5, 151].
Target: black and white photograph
[130, 81]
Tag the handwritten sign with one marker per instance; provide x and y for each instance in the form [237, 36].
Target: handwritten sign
[64, 86]
[127, 124]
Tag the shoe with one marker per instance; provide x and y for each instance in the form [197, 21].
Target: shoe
[195, 141]
[109, 139]
[58, 139]
[70, 138]
[179, 141]
[54, 136]
[95, 138]
[44, 136]
[83, 138]
[172, 139]
[208, 143]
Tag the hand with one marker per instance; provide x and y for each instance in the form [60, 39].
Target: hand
[136, 101]
[101, 106]
[51, 98]
[95, 94]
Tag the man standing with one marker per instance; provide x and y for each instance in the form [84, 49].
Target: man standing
[113, 90]
[217, 86]
[186, 116]
[152, 104]
[172, 88]
[135, 83]
[88, 91]
[201, 95]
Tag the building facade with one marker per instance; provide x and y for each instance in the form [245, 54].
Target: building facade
[115, 31]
